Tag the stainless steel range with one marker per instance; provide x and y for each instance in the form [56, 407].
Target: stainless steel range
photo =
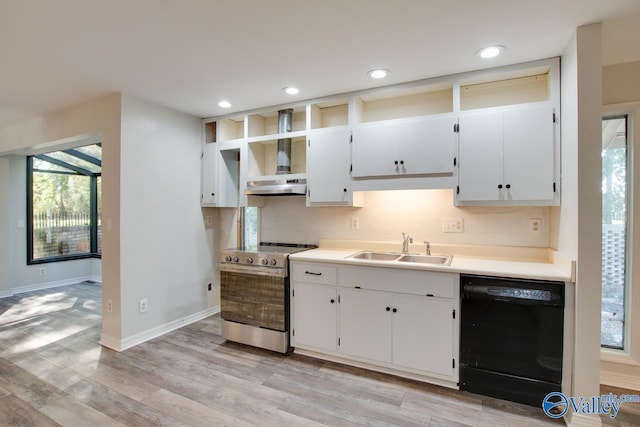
[254, 294]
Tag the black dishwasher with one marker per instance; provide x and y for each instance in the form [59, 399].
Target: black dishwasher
[511, 337]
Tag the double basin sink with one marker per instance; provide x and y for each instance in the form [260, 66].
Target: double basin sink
[391, 256]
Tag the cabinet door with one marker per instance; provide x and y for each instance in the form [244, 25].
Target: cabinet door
[328, 164]
[209, 175]
[419, 147]
[314, 316]
[375, 150]
[365, 324]
[423, 333]
[529, 152]
[427, 146]
[480, 156]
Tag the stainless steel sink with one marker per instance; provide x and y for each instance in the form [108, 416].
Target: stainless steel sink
[376, 256]
[427, 259]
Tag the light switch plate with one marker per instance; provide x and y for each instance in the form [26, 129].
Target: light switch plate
[453, 225]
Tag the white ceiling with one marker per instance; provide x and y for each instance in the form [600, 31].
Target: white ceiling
[189, 54]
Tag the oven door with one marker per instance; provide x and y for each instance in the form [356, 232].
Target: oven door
[254, 298]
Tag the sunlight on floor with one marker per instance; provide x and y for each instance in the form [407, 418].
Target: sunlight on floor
[36, 306]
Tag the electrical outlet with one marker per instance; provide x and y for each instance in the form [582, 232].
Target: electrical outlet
[142, 305]
[355, 223]
[109, 306]
[209, 287]
[209, 219]
[452, 225]
[535, 225]
[43, 271]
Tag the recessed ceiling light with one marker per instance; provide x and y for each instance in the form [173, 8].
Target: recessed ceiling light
[378, 73]
[290, 90]
[490, 51]
[224, 104]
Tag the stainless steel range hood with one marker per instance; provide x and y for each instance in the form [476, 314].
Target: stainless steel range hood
[277, 187]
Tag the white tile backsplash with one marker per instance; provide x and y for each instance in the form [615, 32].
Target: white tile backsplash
[387, 214]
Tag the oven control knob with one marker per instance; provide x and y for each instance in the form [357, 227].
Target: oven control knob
[249, 260]
[273, 262]
[227, 258]
[236, 259]
[264, 261]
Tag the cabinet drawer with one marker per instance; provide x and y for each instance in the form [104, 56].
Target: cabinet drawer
[400, 281]
[313, 273]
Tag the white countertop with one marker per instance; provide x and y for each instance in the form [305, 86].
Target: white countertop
[528, 269]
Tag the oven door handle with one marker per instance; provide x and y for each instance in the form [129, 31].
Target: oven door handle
[254, 270]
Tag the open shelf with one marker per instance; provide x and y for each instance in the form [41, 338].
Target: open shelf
[511, 89]
[210, 132]
[230, 129]
[329, 114]
[404, 103]
[229, 176]
[263, 157]
[264, 124]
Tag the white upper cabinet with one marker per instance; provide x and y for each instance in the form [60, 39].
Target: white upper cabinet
[209, 166]
[507, 156]
[417, 147]
[328, 168]
[209, 175]
[401, 137]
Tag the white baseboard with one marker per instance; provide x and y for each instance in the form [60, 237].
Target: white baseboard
[4, 294]
[125, 343]
[48, 285]
[620, 380]
[582, 420]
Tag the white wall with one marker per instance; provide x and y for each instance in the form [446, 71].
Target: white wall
[387, 214]
[576, 224]
[165, 248]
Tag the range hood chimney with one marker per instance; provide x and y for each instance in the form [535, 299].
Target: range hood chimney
[283, 165]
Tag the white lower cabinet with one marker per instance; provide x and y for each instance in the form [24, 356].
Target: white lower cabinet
[401, 320]
[422, 334]
[365, 324]
[314, 316]
[411, 331]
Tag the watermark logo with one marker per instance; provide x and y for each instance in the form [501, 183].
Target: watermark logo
[557, 404]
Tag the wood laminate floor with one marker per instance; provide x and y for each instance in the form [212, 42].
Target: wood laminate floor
[54, 372]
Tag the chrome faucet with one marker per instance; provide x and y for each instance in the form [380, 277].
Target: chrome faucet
[428, 247]
[406, 239]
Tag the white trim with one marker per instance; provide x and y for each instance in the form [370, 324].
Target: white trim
[149, 334]
[56, 284]
[582, 420]
[616, 379]
[7, 293]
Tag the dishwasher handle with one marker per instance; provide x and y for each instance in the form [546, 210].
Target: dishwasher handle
[515, 295]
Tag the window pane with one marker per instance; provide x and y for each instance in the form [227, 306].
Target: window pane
[61, 215]
[614, 230]
[75, 161]
[250, 228]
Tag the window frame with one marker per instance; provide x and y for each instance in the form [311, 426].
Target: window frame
[630, 354]
[93, 206]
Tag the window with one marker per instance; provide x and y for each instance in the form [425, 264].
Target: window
[63, 204]
[615, 229]
[250, 228]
